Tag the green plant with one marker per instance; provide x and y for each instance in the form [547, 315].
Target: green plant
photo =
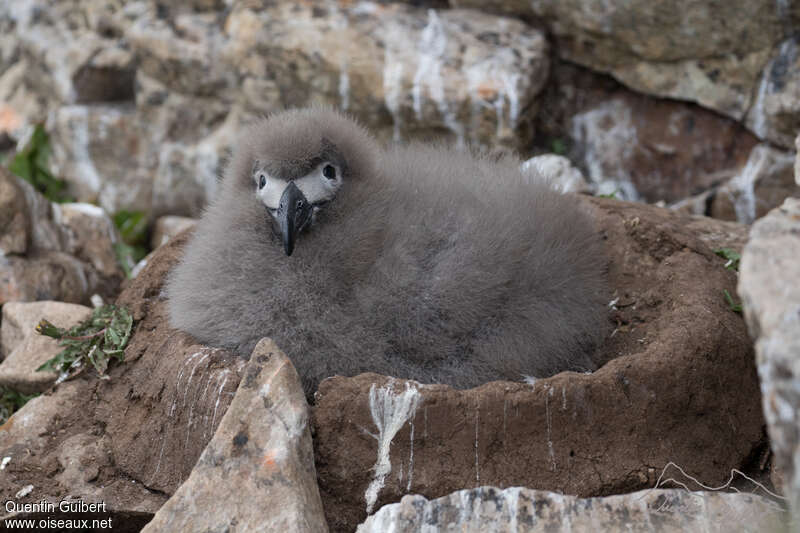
[132, 226]
[30, 164]
[10, 402]
[558, 146]
[95, 341]
[732, 256]
[609, 195]
[736, 308]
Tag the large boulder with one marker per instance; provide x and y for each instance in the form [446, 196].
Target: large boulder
[679, 384]
[737, 57]
[771, 299]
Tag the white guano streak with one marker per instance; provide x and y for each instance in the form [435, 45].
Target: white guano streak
[390, 411]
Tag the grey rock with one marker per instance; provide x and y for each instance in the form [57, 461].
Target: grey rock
[797, 160]
[774, 113]
[20, 106]
[736, 57]
[558, 171]
[525, 510]
[48, 251]
[45, 275]
[101, 150]
[770, 295]
[44, 233]
[88, 234]
[14, 220]
[257, 472]
[170, 86]
[661, 149]
[763, 183]
[24, 350]
[67, 50]
[167, 227]
[609, 136]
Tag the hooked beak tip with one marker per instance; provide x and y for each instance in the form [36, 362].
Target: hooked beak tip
[292, 215]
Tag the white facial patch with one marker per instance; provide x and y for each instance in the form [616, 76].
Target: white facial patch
[318, 186]
[270, 193]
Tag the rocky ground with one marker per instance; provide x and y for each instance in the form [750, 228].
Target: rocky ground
[696, 117]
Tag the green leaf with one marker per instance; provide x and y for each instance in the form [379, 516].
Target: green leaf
[10, 402]
[103, 335]
[112, 337]
[559, 146]
[22, 167]
[732, 256]
[132, 226]
[736, 308]
[610, 195]
[128, 256]
[31, 164]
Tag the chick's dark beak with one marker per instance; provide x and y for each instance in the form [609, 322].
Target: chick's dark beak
[294, 212]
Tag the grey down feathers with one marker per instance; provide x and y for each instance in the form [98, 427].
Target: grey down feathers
[415, 261]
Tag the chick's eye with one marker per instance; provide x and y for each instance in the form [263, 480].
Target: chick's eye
[262, 180]
[329, 172]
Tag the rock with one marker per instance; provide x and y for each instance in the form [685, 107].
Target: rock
[469, 74]
[44, 276]
[641, 147]
[733, 58]
[14, 222]
[775, 113]
[67, 50]
[48, 251]
[764, 182]
[88, 234]
[102, 152]
[771, 300]
[262, 448]
[24, 350]
[797, 160]
[20, 106]
[678, 363]
[558, 171]
[167, 227]
[525, 510]
[177, 82]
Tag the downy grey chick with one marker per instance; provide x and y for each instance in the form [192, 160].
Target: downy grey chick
[416, 261]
